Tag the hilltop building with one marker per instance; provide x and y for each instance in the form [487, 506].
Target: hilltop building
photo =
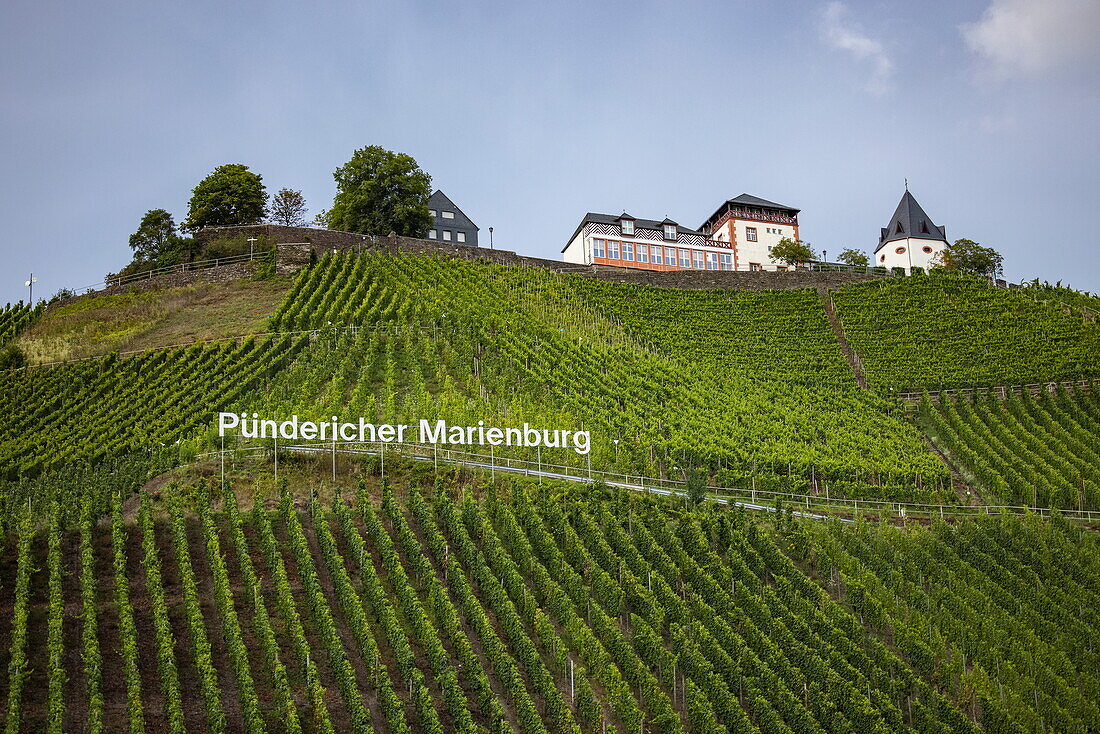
[752, 226]
[910, 240]
[606, 239]
[736, 237]
[450, 223]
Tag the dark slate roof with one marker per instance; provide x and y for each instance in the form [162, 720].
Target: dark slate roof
[749, 200]
[638, 224]
[440, 201]
[910, 220]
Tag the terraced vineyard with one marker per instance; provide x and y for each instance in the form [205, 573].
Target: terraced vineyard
[1035, 450]
[16, 317]
[540, 609]
[109, 407]
[470, 341]
[945, 332]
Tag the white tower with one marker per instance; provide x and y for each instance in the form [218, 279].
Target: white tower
[911, 240]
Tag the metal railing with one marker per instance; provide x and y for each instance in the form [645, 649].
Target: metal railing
[185, 267]
[804, 505]
[999, 391]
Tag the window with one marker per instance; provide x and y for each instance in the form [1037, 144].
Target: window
[727, 262]
[448, 215]
[461, 236]
[613, 249]
[643, 253]
[712, 261]
[432, 212]
[670, 256]
[432, 235]
[685, 258]
[657, 255]
[899, 250]
[670, 231]
[755, 267]
[926, 250]
[628, 251]
[598, 248]
[697, 256]
[781, 268]
[447, 235]
[627, 226]
[882, 258]
[750, 234]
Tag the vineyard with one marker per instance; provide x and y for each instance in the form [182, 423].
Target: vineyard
[1039, 451]
[459, 607]
[471, 340]
[935, 333]
[16, 317]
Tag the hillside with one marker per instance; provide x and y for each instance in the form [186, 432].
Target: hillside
[352, 587]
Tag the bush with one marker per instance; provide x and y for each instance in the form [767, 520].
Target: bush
[12, 357]
[236, 245]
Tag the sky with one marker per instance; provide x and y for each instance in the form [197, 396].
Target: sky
[529, 115]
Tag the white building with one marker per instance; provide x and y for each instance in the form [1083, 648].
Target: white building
[911, 240]
[751, 226]
[606, 239]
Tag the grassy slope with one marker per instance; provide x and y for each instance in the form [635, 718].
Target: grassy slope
[97, 325]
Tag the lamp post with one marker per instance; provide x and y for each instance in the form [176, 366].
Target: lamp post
[30, 284]
[251, 245]
[490, 238]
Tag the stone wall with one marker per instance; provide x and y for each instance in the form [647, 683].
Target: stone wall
[327, 240]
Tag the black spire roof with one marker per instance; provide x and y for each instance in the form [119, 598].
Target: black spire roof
[910, 220]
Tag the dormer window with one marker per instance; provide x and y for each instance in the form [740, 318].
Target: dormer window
[899, 229]
[670, 231]
[627, 226]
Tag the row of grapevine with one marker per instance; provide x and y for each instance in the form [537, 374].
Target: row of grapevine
[1031, 450]
[14, 317]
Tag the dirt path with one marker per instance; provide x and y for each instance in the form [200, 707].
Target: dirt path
[842, 339]
[115, 717]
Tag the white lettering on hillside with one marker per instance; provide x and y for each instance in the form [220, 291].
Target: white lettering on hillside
[438, 432]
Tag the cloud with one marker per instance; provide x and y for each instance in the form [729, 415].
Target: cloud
[1030, 37]
[844, 35]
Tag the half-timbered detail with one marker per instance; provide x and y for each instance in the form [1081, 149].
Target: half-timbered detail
[606, 239]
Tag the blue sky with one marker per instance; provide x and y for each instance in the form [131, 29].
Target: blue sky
[530, 115]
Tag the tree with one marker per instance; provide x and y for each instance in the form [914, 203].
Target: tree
[320, 219]
[967, 256]
[791, 251]
[288, 208]
[378, 192]
[154, 235]
[231, 195]
[696, 486]
[854, 257]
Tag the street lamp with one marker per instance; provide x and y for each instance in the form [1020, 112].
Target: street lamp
[490, 238]
[30, 284]
[251, 244]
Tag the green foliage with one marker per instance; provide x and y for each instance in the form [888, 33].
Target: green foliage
[852, 256]
[792, 252]
[11, 357]
[968, 257]
[1042, 450]
[265, 270]
[231, 195]
[946, 331]
[153, 236]
[696, 487]
[16, 317]
[378, 192]
[288, 208]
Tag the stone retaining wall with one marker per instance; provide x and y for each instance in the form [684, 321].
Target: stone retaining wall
[324, 240]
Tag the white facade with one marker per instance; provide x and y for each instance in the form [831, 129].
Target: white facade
[911, 252]
[753, 241]
[601, 243]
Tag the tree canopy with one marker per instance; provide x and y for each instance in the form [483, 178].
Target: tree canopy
[852, 256]
[967, 256]
[231, 195]
[288, 208]
[379, 191]
[154, 235]
[791, 251]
